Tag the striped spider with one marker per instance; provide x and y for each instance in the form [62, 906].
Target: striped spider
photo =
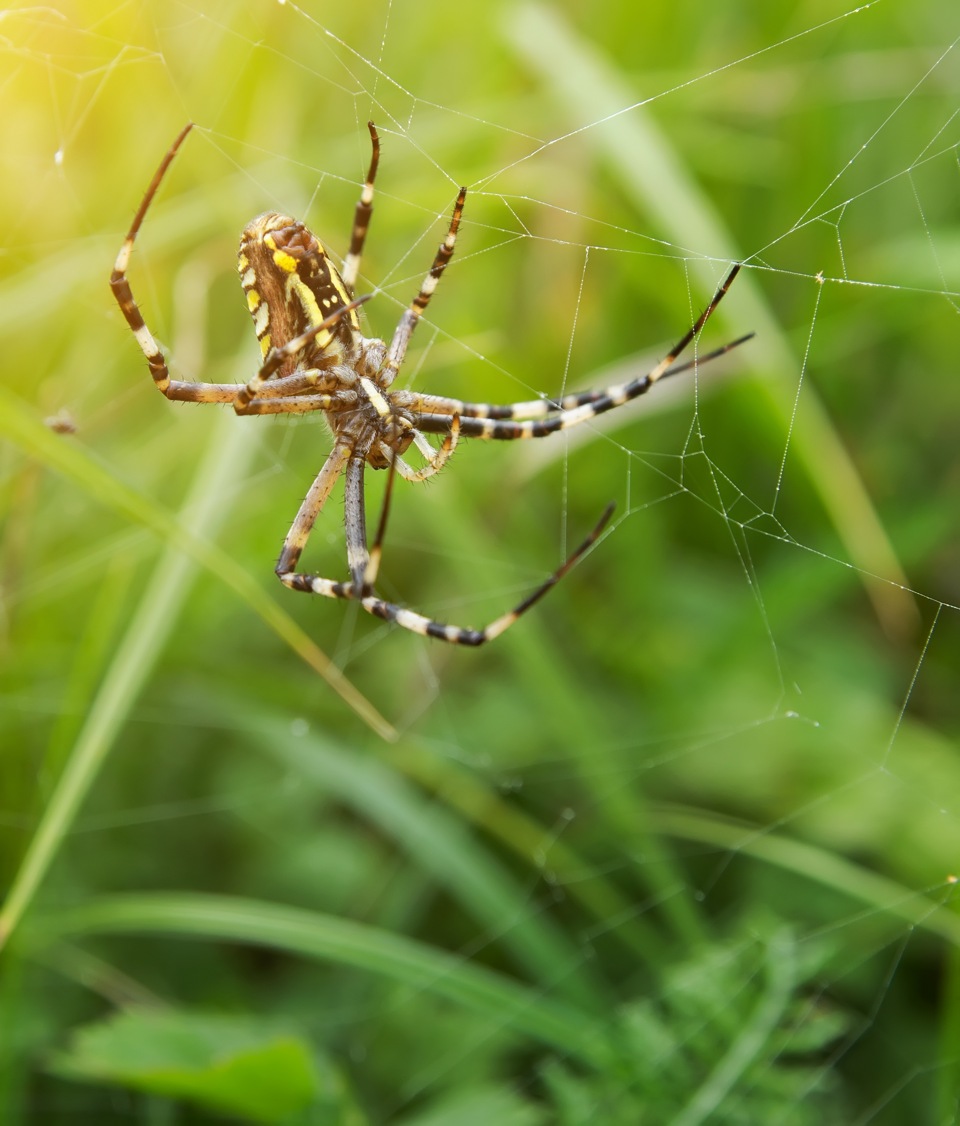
[316, 358]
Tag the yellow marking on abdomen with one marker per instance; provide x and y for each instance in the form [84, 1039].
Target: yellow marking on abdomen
[308, 302]
[283, 260]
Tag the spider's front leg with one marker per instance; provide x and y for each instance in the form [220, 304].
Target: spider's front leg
[540, 418]
[120, 287]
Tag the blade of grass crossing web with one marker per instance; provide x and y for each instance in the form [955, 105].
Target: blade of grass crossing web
[481, 804]
[948, 1072]
[542, 675]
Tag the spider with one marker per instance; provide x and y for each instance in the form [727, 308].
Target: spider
[316, 358]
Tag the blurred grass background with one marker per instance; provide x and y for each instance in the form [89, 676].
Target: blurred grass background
[678, 847]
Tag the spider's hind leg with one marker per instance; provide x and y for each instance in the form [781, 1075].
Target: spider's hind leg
[457, 635]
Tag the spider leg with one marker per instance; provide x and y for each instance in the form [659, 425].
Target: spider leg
[364, 562]
[352, 457]
[120, 286]
[440, 405]
[457, 635]
[543, 416]
[302, 526]
[355, 519]
[361, 217]
[399, 425]
[302, 381]
[301, 404]
[376, 551]
[411, 316]
[436, 458]
[418, 623]
[184, 390]
[275, 357]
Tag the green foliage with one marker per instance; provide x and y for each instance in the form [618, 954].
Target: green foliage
[679, 848]
[222, 1063]
[733, 1033]
[722, 1041]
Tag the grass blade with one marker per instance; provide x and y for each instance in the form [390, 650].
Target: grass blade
[149, 627]
[341, 941]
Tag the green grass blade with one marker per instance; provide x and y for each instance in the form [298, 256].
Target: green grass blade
[507, 1003]
[148, 631]
[438, 842]
[829, 869]
[150, 625]
[21, 425]
[481, 805]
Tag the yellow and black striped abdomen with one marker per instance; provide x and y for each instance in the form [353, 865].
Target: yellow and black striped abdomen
[291, 285]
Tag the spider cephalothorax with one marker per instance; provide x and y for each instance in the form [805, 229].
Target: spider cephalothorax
[316, 358]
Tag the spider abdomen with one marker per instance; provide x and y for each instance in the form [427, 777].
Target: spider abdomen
[291, 286]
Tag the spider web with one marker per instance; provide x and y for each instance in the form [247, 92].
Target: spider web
[715, 771]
